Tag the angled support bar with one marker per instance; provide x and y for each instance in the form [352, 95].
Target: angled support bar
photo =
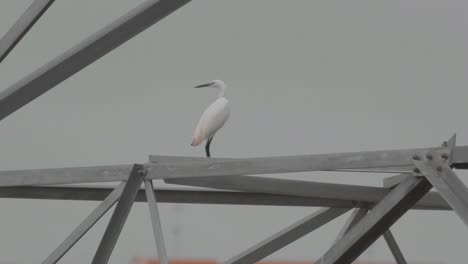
[22, 26]
[392, 244]
[446, 182]
[85, 53]
[84, 226]
[287, 236]
[156, 222]
[119, 216]
[377, 221]
[354, 218]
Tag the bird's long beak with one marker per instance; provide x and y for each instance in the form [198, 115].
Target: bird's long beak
[204, 85]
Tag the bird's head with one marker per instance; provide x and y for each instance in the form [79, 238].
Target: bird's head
[214, 84]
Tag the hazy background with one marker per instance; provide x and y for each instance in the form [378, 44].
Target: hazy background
[303, 77]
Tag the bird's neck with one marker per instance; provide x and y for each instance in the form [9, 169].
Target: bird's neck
[222, 89]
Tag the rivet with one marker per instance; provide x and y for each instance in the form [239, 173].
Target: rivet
[445, 156]
[445, 144]
[429, 156]
[439, 169]
[142, 172]
[416, 157]
[416, 170]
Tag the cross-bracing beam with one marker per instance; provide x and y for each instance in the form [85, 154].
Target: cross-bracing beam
[287, 236]
[85, 53]
[377, 221]
[119, 216]
[22, 26]
[156, 222]
[355, 217]
[393, 246]
[84, 226]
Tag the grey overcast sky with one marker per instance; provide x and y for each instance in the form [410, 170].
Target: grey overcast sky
[303, 77]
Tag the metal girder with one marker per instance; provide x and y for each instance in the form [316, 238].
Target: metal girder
[185, 196]
[285, 186]
[287, 164]
[172, 159]
[233, 167]
[119, 216]
[377, 221]
[446, 182]
[392, 244]
[356, 193]
[432, 201]
[85, 53]
[356, 216]
[156, 222]
[287, 236]
[22, 26]
[84, 226]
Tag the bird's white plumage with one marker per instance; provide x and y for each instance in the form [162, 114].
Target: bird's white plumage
[212, 119]
[214, 116]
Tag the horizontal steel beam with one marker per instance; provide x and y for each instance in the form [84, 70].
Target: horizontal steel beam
[172, 159]
[22, 26]
[85, 53]
[288, 164]
[365, 194]
[459, 157]
[212, 167]
[286, 187]
[432, 201]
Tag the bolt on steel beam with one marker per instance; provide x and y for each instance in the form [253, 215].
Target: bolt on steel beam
[436, 169]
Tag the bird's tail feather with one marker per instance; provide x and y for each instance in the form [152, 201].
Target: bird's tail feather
[196, 140]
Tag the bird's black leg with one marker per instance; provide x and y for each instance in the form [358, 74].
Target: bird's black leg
[207, 147]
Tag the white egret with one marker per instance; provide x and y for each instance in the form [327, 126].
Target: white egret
[213, 118]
